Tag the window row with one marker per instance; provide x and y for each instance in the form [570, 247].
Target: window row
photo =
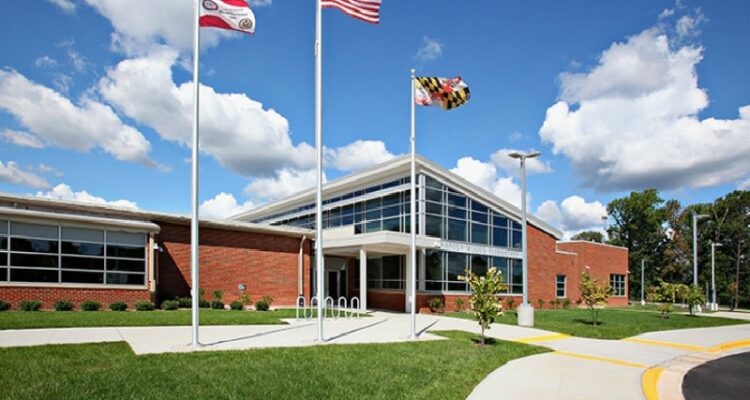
[442, 269]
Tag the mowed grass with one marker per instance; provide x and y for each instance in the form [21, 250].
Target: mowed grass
[70, 319]
[616, 323]
[439, 369]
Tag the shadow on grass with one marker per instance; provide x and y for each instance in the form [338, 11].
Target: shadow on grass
[488, 341]
[588, 322]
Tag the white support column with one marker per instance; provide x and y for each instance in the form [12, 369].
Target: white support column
[407, 282]
[362, 279]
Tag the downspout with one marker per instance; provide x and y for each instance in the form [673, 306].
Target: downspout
[300, 266]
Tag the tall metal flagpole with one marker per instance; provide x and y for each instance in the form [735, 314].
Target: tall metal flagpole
[413, 223]
[319, 266]
[194, 200]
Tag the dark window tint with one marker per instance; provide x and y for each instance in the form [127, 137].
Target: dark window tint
[479, 234]
[82, 277]
[84, 249]
[456, 230]
[456, 200]
[33, 245]
[33, 260]
[479, 265]
[33, 275]
[500, 237]
[457, 266]
[433, 266]
[125, 279]
[434, 226]
[83, 263]
[517, 239]
[517, 273]
[126, 265]
[434, 195]
[392, 224]
[3, 243]
[126, 251]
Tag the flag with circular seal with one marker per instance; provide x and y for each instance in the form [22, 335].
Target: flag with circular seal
[447, 93]
[234, 15]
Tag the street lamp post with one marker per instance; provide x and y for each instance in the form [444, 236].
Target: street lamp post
[643, 263]
[714, 306]
[525, 310]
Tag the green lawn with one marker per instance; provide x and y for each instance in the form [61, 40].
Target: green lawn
[616, 323]
[441, 369]
[69, 319]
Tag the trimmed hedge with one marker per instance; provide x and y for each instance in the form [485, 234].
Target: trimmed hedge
[185, 302]
[62, 305]
[170, 305]
[91, 305]
[237, 305]
[118, 306]
[4, 305]
[30, 305]
[144, 305]
[217, 305]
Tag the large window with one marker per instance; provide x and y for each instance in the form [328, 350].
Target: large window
[560, 286]
[442, 269]
[617, 282]
[44, 253]
[385, 272]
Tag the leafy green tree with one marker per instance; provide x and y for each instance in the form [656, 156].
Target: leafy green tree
[594, 295]
[695, 298]
[589, 236]
[733, 232]
[484, 301]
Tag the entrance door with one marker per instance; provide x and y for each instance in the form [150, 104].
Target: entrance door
[333, 284]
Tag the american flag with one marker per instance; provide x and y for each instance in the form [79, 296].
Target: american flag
[365, 10]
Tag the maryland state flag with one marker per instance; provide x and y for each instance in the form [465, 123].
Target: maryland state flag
[448, 93]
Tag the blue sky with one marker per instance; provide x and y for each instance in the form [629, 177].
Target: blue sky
[618, 96]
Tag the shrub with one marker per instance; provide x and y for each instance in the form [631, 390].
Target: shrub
[695, 298]
[459, 304]
[144, 305]
[4, 305]
[91, 306]
[245, 299]
[118, 306]
[264, 303]
[566, 303]
[237, 305]
[510, 302]
[61, 305]
[30, 305]
[595, 295]
[436, 304]
[184, 302]
[483, 301]
[170, 305]
[203, 303]
[218, 295]
[217, 305]
[553, 304]
[541, 303]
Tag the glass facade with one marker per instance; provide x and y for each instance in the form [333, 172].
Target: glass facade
[44, 253]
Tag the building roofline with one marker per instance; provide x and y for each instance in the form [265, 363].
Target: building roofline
[589, 242]
[100, 213]
[390, 169]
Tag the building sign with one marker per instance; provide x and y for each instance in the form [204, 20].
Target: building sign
[460, 247]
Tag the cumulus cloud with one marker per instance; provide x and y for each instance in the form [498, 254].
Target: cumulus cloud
[631, 122]
[573, 215]
[223, 205]
[68, 6]
[287, 182]
[66, 193]
[485, 175]
[52, 118]
[142, 25]
[12, 173]
[431, 50]
[512, 166]
[235, 129]
[358, 155]
[23, 139]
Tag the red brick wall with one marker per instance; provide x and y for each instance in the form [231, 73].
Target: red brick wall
[49, 295]
[602, 260]
[386, 300]
[267, 264]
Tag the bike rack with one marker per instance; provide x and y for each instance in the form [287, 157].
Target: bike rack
[344, 308]
[354, 310]
[296, 307]
[328, 300]
[313, 306]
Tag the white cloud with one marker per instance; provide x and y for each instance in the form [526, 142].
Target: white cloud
[485, 176]
[142, 25]
[68, 6]
[64, 192]
[10, 172]
[573, 215]
[46, 169]
[632, 121]
[512, 166]
[78, 61]
[45, 62]
[431, 50]
[744, 185]
[223, 205]
[287, 182]
[235, 129]
[54, 119]
[23, 139]
[358, 155]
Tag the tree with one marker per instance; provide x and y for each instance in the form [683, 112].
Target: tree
[734, 234]
[589, 236]
[695, 298]
[594, 295]
[484, 301]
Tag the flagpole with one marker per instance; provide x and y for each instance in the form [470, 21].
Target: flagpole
[319, 265]
[194, 199]
[413, 223]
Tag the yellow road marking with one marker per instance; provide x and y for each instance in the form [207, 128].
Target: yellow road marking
[650, 383]
[681, 346]
[544, 338]
[729, 346]
[602, 359]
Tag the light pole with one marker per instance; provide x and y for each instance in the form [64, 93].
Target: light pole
[714, 306]
[525, 310]
[643, 263]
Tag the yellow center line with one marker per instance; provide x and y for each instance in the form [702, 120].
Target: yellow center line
[543, 338]
[650, 383]
[681, 346]
[729, 346]
[602, 359]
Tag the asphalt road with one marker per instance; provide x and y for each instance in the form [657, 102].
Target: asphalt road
[723, 379]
